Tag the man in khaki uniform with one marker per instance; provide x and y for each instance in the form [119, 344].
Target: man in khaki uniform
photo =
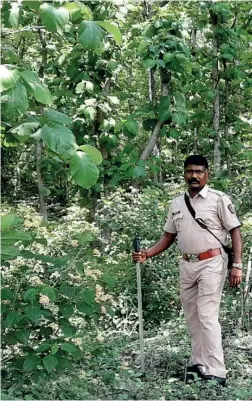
[203, 267]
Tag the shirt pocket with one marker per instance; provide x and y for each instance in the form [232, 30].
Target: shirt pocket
[211, 219]
[177, 220]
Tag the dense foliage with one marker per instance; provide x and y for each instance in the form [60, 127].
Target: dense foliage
[101, 103]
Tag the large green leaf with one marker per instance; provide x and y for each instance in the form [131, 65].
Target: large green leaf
[164, 108]
[132, 125]
[9, 252]
[53, 18]
[109, 280]
[70, 348]
[11, 237]
[93, 152]
[33, 313]
[17, 101]
[25, 129]
[32, 4]
[112, 29]
[149, 62]
[41, 92]
[12, 318]
[59, 139]
[8, 78]
[57, 117]
[91, 35]
[7, 293]
[50, 363]
[78, 10]
[83, 169]
[7, 221]
[88, 296]
[22, 336]
[31, 294]
[66, 310]
[31, 363]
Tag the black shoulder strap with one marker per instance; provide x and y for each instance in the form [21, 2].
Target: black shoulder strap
[199, 221]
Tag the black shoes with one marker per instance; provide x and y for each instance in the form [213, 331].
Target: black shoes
[194, 369]
[189, 376]
[220, 380]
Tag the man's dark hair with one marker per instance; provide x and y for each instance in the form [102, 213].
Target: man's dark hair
[198, 160]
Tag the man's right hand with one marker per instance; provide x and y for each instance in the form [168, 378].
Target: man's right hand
[139, 257]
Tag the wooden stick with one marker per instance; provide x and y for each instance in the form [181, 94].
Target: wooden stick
[140, 315]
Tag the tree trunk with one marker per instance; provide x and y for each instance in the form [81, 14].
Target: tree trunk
[151, 81]
[195, 140]
[226, 126]
[40, 183]
[154, 137]
[216, 100]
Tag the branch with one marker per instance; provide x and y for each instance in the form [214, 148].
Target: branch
[152, 141]
[165, 79]
[26, 29]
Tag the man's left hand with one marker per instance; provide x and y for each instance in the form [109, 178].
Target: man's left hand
[235, 277]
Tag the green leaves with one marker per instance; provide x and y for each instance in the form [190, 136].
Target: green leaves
[8, 78]
[149, 63]
[70, 348]
[56, 117]
[22, 336]
[54, 19]
[59, 139]
[112, 29]
[91, 35]
[139, 170]
[164, 109]
[83, 170]
[50, 362]
[7, 221]
[31, 363]
[168, 57]
[41, 92]
[17, 101]
[11, 237]
[9, 252]
[93, 152]
[25, 129]
[12, 319]
[131, 125]
[33, 313]
[7, 294]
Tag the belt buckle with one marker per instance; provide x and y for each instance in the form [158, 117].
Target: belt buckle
[193, 258]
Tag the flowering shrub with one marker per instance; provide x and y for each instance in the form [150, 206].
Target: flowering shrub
[51, 296]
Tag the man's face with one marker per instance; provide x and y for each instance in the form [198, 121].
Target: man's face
[196, 177]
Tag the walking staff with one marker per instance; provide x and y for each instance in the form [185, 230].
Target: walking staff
[136, 245]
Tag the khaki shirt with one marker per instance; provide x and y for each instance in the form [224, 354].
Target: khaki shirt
[214, 208]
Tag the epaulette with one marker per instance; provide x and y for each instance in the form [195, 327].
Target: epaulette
[215, 191]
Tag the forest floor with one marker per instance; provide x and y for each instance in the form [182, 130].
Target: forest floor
[115, 373]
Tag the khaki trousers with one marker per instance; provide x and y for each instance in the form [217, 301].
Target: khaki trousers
[201, 285]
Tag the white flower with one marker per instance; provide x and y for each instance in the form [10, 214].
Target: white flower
[44, 300]
[100, 338]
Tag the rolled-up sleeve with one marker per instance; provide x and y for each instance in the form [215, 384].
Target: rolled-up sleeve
[227, 213]
[169, 225]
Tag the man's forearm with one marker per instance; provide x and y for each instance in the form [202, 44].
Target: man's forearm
[237, 244]
[161, 245]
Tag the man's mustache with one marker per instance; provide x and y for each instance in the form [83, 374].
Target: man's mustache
[193, 180]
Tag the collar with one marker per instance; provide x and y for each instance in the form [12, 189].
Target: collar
[202, 193]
